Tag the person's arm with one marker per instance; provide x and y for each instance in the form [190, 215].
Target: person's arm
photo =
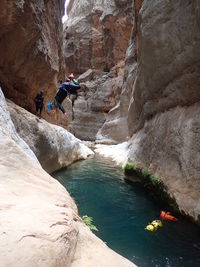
[75, 86]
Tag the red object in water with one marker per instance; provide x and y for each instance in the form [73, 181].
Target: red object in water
[167, 216]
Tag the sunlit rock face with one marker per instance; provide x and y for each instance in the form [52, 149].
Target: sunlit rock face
[97, 34]
[31, 48]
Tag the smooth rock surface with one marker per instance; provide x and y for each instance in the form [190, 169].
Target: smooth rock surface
[54, 147]
[169, 147]
[37, 214]
[40, 226]
[91, 251]
[159, 101]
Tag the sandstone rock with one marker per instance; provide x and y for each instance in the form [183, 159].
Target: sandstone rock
[115, 129]
[169, 146]
[39, 221]
[86, 76]
[99, 96]
[7, 128]
[54, 146]
[159, 96]
[91, 252]
[37, 214]
[168, 59]
[96, 34]
[31, 49]
[96, 37]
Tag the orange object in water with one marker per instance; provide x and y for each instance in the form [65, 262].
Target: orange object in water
[167, 216]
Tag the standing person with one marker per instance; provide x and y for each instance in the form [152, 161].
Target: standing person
[39, 102]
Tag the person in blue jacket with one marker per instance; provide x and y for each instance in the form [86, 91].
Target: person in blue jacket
[65, 89]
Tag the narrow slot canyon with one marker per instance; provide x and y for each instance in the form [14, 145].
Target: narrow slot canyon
[99, 111]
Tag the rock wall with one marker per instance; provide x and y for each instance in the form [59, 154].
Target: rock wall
[54, 147]
[97, 34]
[99, 96]
[39, 220]
[37, 214]
[160, 98]
[31, 49]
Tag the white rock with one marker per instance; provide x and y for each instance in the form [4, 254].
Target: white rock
[39, 222]
[54, 146]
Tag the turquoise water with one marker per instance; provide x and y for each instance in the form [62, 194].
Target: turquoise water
[121, 211]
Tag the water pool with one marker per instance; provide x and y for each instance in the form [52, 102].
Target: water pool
[121, 211]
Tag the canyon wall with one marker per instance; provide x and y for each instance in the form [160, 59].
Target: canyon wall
[40, 225]
[159, 104]
[96, 36]
[31, 49]
[164, 107]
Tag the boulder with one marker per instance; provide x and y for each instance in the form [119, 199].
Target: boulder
[54, 146]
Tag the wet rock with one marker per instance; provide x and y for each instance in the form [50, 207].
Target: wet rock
[169, 146]
[159, 98]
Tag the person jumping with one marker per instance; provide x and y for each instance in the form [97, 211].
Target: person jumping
[64, 89]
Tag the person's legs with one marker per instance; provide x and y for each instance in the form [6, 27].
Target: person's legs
[37, 107]
[41, 108]
[59, 105]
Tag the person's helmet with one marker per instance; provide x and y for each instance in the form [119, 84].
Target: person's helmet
[42, 91]
[71, 76]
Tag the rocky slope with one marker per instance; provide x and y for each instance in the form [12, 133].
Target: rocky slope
[160, 98]
[39, 220]
[31, 49]
[96, 38]
[36, 230]
[54, 147]
[99, 96]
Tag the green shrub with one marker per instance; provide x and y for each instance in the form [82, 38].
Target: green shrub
[88, 221]
[154, 180]
[145, 173]
[130, 169]
[151, 182]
